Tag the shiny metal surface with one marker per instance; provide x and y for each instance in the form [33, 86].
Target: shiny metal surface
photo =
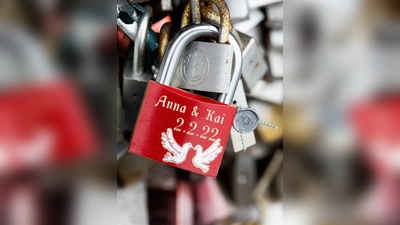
[140, 45]
[132, 93]
[205, 66]
[241, 141]
[246, 120]
[182, 39]
[129, 29]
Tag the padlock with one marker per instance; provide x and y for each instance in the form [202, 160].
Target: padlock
[140, 58]
[206, 66]
[255, 66]
[133, 92]
[183, 120]
[135, 74]
[244, 140]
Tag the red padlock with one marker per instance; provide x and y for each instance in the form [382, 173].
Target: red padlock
[43, 124]
[377, 126]
[180, 128]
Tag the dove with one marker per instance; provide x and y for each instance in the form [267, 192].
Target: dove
[202, 159]
[176, 154]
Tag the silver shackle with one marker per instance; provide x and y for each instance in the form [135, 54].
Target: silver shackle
[139, 50]
[184, 37]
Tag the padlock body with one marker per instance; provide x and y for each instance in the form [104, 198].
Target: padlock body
[205, 66]
[189, 123]
[133, 89]
[255, 66]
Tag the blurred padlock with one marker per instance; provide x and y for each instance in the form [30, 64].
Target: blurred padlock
[141, 52]
[244, 177]
[206, 66]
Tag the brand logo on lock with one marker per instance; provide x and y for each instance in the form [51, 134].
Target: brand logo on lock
[195, 67]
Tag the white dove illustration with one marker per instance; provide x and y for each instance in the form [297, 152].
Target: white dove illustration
[176, 154]
[202, 159]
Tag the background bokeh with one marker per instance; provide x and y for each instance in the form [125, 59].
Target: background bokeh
[341, 112]
[340, 96]
[57, 151]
